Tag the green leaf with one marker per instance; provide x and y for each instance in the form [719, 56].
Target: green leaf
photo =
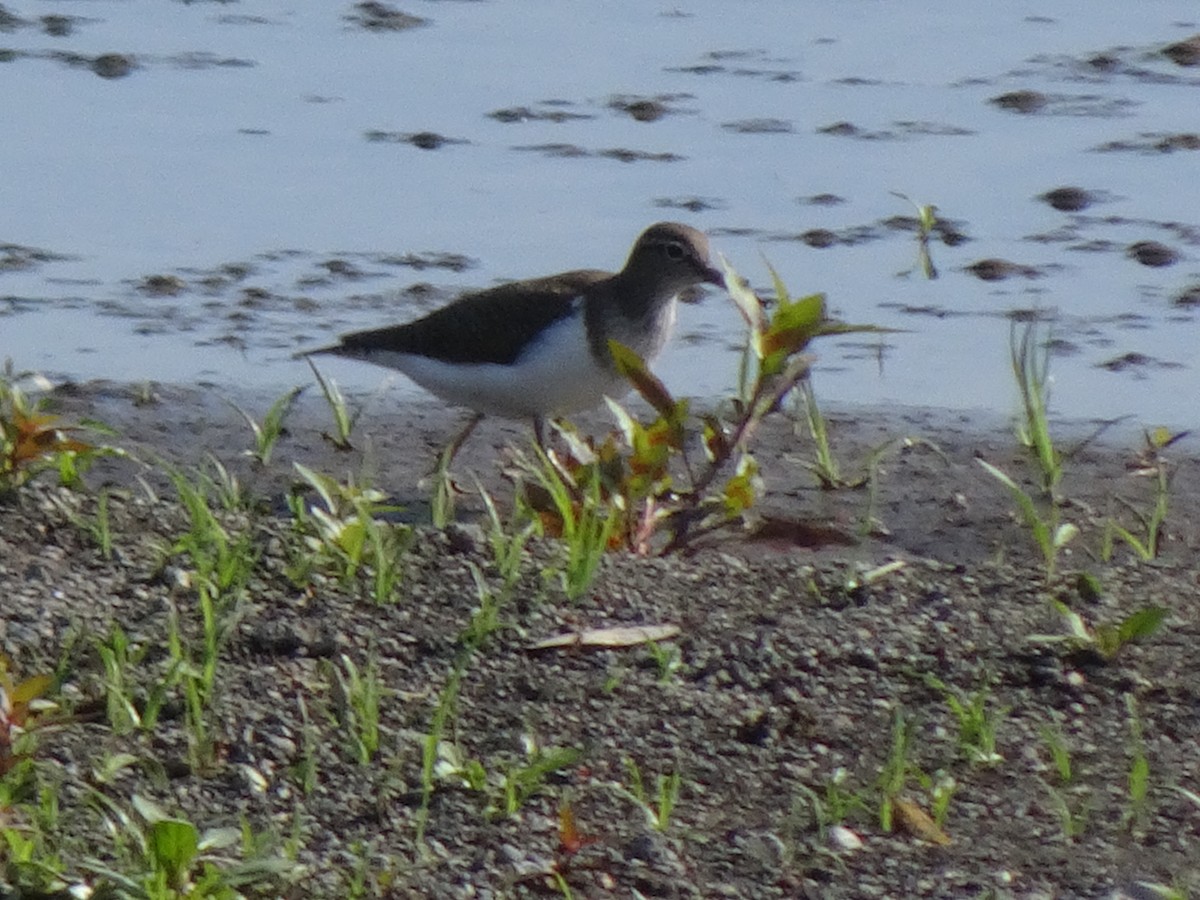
[742, 489]
[745, 299]
[792, 327]
[1141, 624]
[173, 845]
[780, 288]
[1029, 513]
[1074, 621]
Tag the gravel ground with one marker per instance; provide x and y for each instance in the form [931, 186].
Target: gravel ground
[775, 706]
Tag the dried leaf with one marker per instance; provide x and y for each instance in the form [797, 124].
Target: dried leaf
[716, 445]
[911, 818]
[646, 383]
[570, 839]
[31, 689]
[609, 638]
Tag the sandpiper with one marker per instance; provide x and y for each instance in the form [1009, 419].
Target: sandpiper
[538, 349]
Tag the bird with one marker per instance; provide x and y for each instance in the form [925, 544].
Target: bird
[539, 349]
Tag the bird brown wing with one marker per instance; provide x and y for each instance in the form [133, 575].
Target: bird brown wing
[491, 326]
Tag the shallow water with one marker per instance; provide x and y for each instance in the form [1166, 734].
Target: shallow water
[252, 184]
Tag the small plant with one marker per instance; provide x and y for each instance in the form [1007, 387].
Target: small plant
[98, 527]
[824, 465]
[1070, 800]
[219, 559]
[1031, 369]
[507, 541]
[661, 806]
[115, 656]
[439, 757]
[196, 680]
[32, 865]
[1049, 533]
[510, 786]
[833, 803]
[926, 223]
[357, 698]
[32, 440]
[162, 857]
[582, 519]
[525, 779]
[1105, 639]
[21, 704]
[1151, 464]
[445, 489]
[1060, 753]
[896, 770]
[1176, 891]
[268, 432]
[343, 420]
[977, 721]
[941, 792]
[897, 810]
[304, 770]
[350, 535]
[667, 660]
[1139, 769]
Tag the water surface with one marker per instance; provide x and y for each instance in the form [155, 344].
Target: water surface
[193, 191]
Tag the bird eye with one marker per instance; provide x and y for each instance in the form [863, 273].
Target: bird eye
[675, 250]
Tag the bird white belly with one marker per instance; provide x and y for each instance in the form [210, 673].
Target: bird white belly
[554, 376]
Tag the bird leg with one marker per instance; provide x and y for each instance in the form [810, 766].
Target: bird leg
[447, 455]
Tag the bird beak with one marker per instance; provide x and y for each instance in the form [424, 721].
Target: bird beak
[713, 276]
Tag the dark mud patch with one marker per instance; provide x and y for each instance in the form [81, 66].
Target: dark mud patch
[1136, 364]
[923, 310]
[899, 131]
[756, 64]
[551, 111]
[620, 154]
[759, 126]
[691, 204]
[1153, 254]
[1188, 298]
[825, 199]
[114, 66]
[648, 109]
[19, 258]
[422, 140]
[993, 269]
[376, 16]
[1072, 199]
[1185, 52]
[822, 238]
[1154, 142]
